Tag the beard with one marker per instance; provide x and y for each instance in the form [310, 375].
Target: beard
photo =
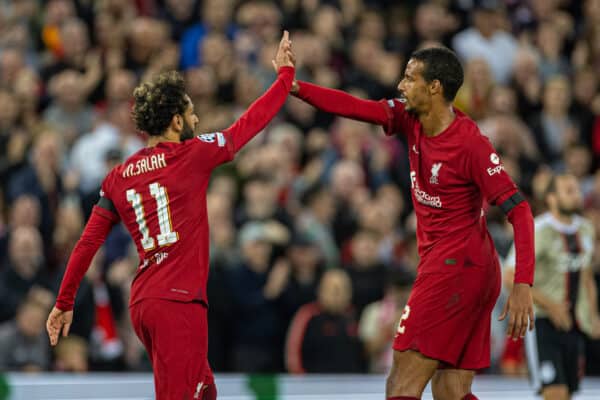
[570, 211]
[187, 132]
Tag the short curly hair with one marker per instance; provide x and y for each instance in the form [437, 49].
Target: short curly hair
[157, 101]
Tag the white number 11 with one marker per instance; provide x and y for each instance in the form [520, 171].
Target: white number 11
[166, 235]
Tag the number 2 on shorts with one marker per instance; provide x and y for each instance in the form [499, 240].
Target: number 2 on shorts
[404, 317]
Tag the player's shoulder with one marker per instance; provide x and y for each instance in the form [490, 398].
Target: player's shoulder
[123, 169]
[587, 226]
[217, 138]
[398, 105]
[470, 134]
[543, 221]
[109, 181]
[470, 131]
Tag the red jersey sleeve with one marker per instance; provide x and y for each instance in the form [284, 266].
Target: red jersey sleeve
[486, 170]
[104, 216]
[343, 104]
[216, 148]
[390, 114]
[262, 110]
[398, 119]
[213, 149]
[521, 218]
[94, 234]
[105, 204]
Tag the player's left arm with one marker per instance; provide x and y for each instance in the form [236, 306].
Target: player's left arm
[94, 234]
[591, 291]
[589, 283]
[488, 173]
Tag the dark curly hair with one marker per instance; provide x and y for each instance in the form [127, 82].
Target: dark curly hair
[157, 101]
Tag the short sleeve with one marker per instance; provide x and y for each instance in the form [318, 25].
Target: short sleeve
[486, 169]
[399, 120]
[213, 149]
[105, 205]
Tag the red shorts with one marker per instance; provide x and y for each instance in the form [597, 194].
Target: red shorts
[448, 315]
[176, 338]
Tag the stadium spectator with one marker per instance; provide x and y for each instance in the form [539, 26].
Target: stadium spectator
[553, 127]
[366, 271]
[488, 40]
[23, 342]
[71, 355]
[23, 269]
[323, 336]
[306, 269]
[41, 177]
[256, 287]
[379, 320]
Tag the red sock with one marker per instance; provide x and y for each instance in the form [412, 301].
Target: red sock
[402, 398]
[470, 396]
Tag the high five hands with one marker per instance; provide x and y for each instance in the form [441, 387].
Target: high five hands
[285, 57]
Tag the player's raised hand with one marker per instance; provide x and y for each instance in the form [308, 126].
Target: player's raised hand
[519, 309]
[284, 57]
[58, 322]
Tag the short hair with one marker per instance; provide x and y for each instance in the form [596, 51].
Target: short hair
[442, 64]
[157, 101]
[551, 186]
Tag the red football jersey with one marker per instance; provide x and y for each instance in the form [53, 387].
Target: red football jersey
[451, 176]
[159, 194]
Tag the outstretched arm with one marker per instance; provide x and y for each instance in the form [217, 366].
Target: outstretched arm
[343, 104]
[262, 111]
[96, 230]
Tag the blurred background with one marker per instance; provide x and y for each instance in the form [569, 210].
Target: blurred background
[313, 248]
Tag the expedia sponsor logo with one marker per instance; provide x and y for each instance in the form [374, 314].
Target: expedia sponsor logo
[495, 170]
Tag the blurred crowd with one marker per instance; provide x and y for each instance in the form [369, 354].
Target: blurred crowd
[313, 248]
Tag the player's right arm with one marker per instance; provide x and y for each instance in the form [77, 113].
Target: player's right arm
[390, 114]
[264, 109]
[220, 147]
[96, 230]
